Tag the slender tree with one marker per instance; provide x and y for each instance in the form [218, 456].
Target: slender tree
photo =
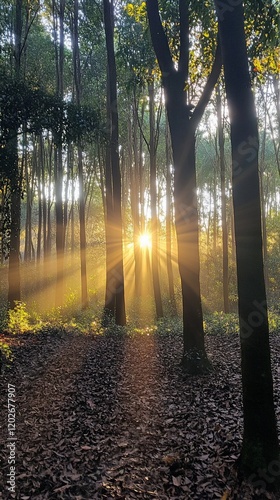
[58, 7]
[14, 294]
[221, 149]
[153, 194]
[169, 218]
[77, 80]
[260, 446]
[115, 283]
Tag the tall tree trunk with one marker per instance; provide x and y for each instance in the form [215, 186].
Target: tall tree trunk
[134, 190]
[182, 130]
[82, 212]
[59, 236]
[82, 230]
[49, 225]
[263, 210]
[260, 449]
[221, 145]
[14, 293]
[29, 196]
[43, 193]
[117, 274]
[215, 213]
[110, 302]
[40, 203]
[153, 193]
[168, 156]
[58, 157]
[186, 220]
[72, 237]
[141, 176]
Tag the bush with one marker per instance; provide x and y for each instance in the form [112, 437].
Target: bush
[219, 322]
[18, 319]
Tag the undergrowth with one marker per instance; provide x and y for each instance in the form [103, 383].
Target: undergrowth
[22, 319]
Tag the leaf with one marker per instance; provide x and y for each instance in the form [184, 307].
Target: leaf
[225, 495]
[177, 480]
[62, 489]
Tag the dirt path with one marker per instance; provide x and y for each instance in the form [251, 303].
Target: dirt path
[110, 417]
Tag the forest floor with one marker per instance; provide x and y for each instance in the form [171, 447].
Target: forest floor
[111, 416]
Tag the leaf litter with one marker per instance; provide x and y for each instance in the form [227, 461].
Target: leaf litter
[113, 417]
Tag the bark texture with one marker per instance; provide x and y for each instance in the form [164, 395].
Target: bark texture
[183, 124]
[260, 443]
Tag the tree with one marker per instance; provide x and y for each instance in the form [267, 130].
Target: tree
[221, 149]
[153, 195]
[183, 124]
[260, 443]
[77, 80]
[169, 191]
[115, 278]
[58, 8]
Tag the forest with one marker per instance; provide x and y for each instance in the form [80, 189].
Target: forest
[140, 249]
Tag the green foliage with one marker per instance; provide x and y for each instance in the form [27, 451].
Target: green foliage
[36, 110]
[219, 322]
[54, 317]
[18, 319]
[5, 354]
[274, 321]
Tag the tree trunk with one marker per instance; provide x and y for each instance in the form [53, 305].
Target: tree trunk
[168, 156]
[29, 196]
[14, 293]
[215, 213]
[14, 257]
[153, 193]
[133, 162]
[110, 302]
[72, 237]
[263, 210]
[182, 130]
[40, 201]
[260, 449]
[115, 287]
[58, 161]
[43, 194]
[49, 225]
[58, 175]
[221, 145]
[186, 221]
[82, 219]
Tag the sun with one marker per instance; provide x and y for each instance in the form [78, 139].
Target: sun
[145, 240]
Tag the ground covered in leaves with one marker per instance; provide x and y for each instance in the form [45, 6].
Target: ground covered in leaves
[111, 416]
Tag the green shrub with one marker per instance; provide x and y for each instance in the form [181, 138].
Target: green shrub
[18, 319]
[219, 322]
[274, 321]
[6, 355]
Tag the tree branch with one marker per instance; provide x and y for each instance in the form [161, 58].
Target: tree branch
[209, 86]
[183, 64]
[139, 122]
[159, 38]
